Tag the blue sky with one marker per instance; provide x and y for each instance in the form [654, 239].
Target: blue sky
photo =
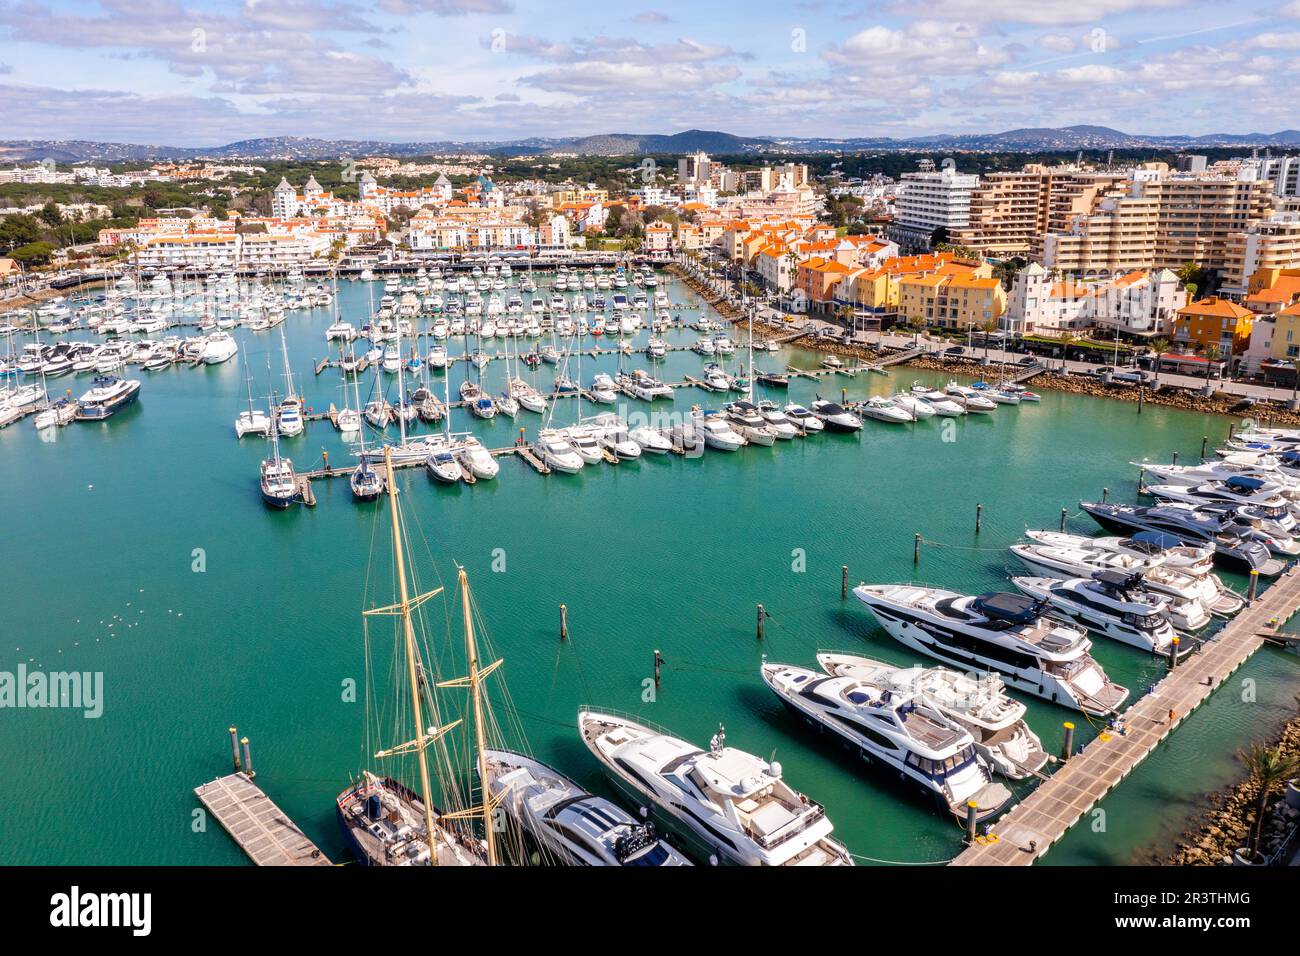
[205, 73]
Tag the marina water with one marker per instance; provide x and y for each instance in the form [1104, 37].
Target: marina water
[139, 548]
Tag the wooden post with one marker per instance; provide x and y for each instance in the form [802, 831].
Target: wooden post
[658, 661]
[979, 514]
[564, 622]
[1142, 481]
[234, 748]
[1067, 746]
[760, 622]
[844, 581]
[1105, 493]
[1231, 428]
[971, 807]
[916, 548]
[1254, 586]
[1173, 653]
[1063, 515]
[1175, 458]
[326, 455]
[248, 759]
[1142, 397]
[1205, 444]
[844, 395]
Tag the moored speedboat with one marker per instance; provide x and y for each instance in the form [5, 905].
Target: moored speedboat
[835, 417]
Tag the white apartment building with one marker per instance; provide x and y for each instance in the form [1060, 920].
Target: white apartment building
[1139, 303]
[930, 200]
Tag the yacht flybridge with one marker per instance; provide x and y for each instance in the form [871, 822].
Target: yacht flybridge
[997, 631]
[899, 731]
[1112, 603]
[995, 720]
[734, 803]
[572, 826]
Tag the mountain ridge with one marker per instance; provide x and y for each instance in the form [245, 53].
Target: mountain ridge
[1025, 139]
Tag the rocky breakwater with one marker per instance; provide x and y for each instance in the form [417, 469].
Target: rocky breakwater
[1227, 824]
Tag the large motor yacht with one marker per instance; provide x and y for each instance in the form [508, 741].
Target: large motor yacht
[570, 825]
[898, 731]
[1112, 603]
[736, 804]
[997, 631]
[993, 718]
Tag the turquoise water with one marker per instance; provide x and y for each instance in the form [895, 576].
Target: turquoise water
[102, 526]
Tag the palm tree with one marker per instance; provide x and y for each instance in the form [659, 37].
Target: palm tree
[1159, 346]
[1269, 769]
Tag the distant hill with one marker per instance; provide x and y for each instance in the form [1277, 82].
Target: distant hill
[1030, 139]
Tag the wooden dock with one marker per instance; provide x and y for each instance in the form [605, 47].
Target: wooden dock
[259, 827]
[1032, 826]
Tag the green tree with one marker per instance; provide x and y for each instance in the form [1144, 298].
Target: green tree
[50, 214]
[1269, 769]
[34, 253]
[1159, 346]
[19, 230]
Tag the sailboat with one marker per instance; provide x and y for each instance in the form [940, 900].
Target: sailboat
[367, 485]
[279, 483]
[386, 822]
[288, 417]
[254, 421]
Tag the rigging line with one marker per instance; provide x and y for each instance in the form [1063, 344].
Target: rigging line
[872, 859]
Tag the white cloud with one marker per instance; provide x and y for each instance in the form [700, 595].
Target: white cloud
[1056, 42]
[1040, 12]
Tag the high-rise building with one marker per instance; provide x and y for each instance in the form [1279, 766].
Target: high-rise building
[931, 200]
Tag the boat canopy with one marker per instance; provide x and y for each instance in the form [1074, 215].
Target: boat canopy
[1004, 606]
[1116, 578]
[1158, 538]
[1244, 483]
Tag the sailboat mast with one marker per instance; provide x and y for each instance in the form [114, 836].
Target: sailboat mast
[476, 696]
[409, 637]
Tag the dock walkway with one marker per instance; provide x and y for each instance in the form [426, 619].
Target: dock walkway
[1033, 825]
[261, 829]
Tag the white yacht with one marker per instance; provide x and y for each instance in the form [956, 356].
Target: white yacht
[584, 443]
[777, 420]
[1000, 632]
[717, 432]
[900, 732]
[734, 803]
[744, 419]
[107, 395]
[941, 402]
[803, 418]
[1192, 598]
[651, 440]
[569, 825]
[556, 453]
[471, 453]
[835, 417]
[971, 399]
[1110, 603]
[441, 463]
[914, 405]
[884, 410]
[1194, 559]
[994, 719]
[219, 347]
